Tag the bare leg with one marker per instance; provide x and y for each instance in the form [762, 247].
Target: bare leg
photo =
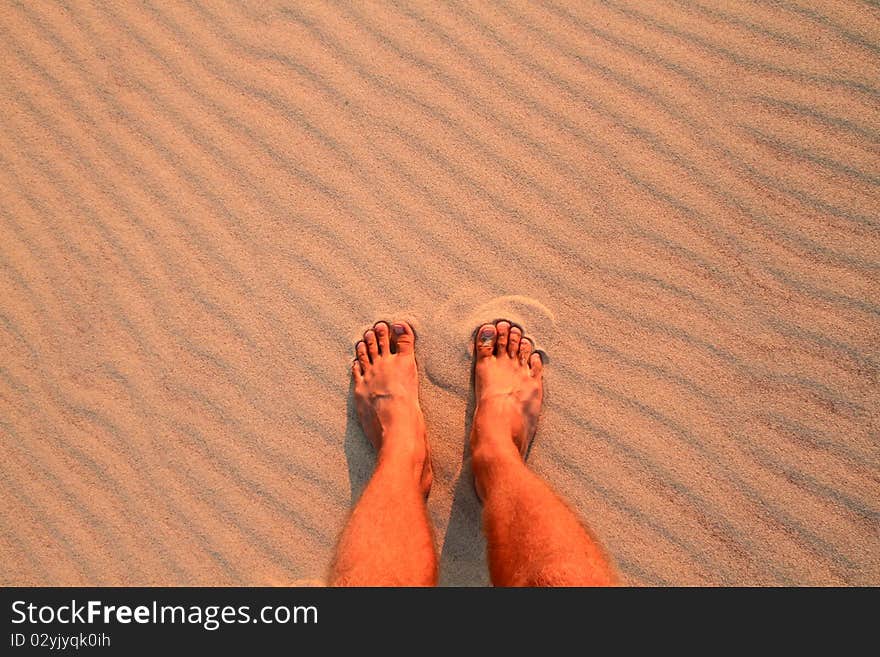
[534, 538]
[388, 541]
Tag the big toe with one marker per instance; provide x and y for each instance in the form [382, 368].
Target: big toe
[486, 337]
[403, 339]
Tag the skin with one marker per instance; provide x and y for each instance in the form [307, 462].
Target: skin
[388, 540]
[534, 538]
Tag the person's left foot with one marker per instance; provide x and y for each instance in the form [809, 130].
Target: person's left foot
[386, 392]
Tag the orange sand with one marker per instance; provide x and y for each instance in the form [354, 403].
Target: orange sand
[202, 205]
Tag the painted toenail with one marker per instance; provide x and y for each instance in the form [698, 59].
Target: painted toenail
[486, 335]
[399, 329]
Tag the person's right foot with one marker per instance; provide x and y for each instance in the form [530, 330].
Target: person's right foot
[508, 381]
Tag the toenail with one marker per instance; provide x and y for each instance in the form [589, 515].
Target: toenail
[399, 329]
[486, 335]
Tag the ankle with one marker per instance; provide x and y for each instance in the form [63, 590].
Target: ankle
[491, 464]
[496, 429]
[400, 451]
[497, 449]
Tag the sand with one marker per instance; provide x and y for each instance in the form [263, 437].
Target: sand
[203, 205]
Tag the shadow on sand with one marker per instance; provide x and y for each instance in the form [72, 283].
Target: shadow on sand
[359, 453]
[463, 558]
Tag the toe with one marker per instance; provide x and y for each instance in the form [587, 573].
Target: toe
[525, 350]
[356, 372]
[361, 353]
[383, 335]
[513, 341]
[503, 333]
[372, 345]
[485, 341]
[536, 364]
[403, 339]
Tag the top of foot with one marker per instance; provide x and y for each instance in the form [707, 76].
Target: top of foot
[508, 381]
[386, 391]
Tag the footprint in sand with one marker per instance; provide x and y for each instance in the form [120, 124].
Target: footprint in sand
[447, 338]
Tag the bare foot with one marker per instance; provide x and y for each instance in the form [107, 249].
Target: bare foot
[509, 388]
[386, 392]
